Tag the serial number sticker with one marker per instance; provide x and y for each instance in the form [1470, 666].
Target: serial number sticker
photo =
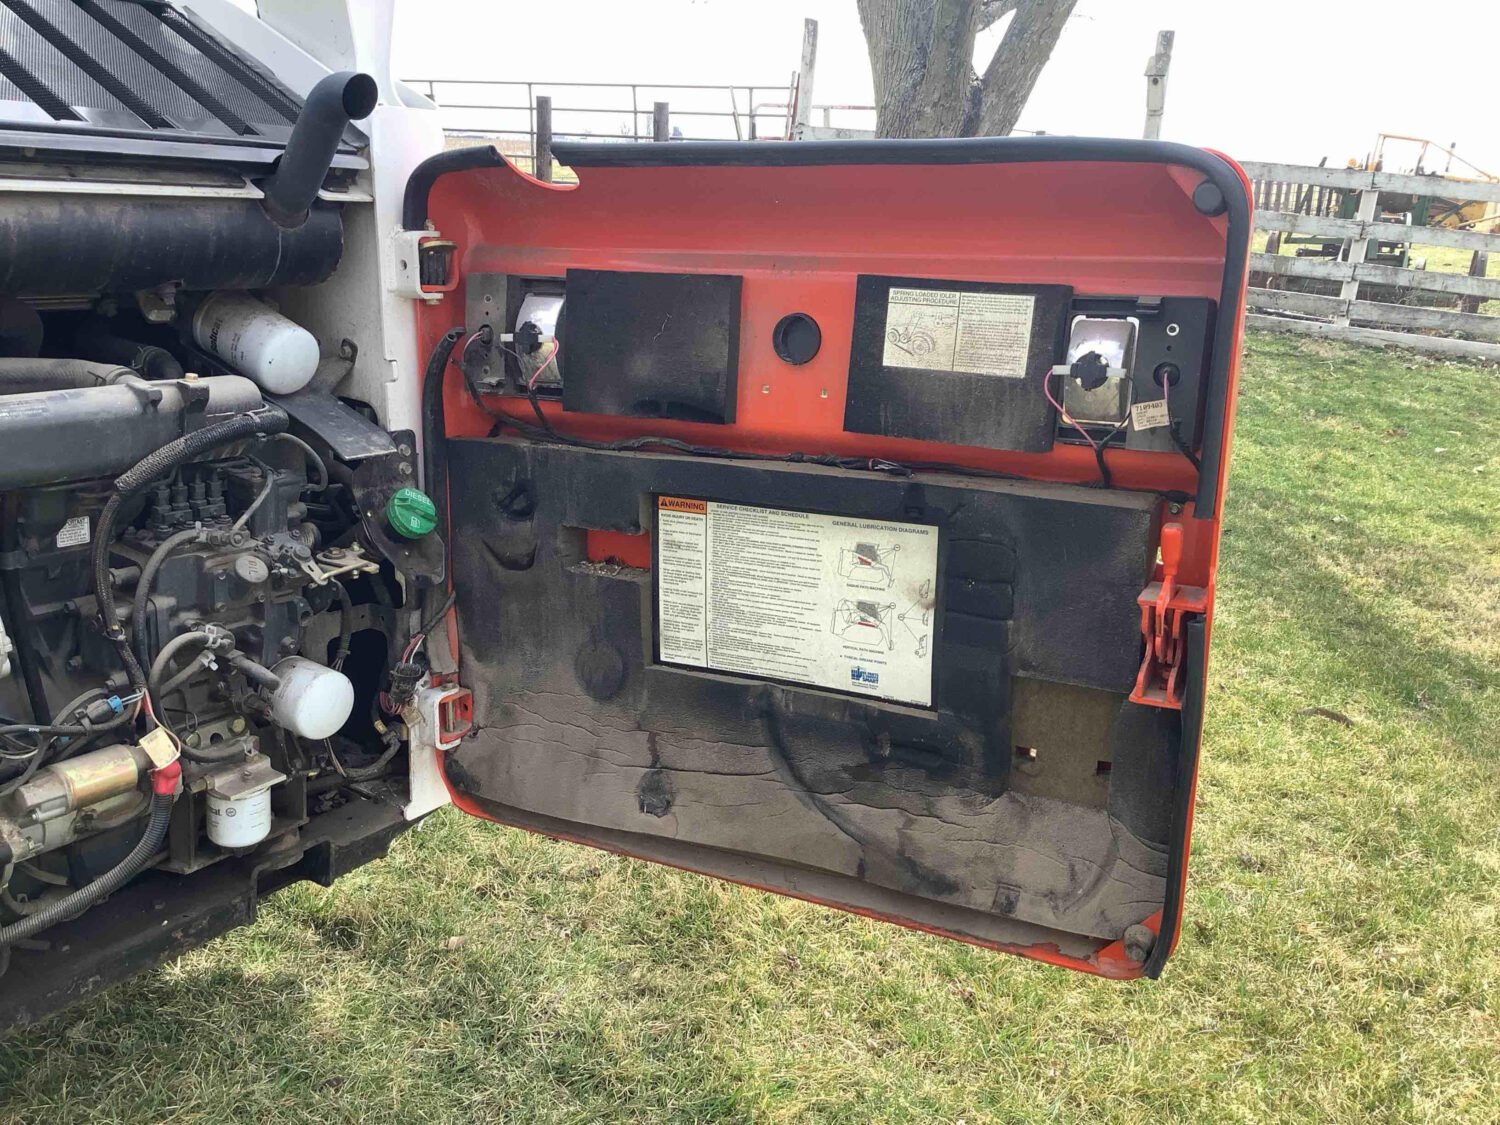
[74, 533]
[1150, 415]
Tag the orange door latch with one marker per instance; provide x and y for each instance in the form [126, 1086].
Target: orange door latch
[1164, 605]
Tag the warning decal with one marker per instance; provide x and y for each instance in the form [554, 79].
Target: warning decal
[837, 602]
[948, 330]
[74, 533]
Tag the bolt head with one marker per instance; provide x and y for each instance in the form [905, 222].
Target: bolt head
[1138, 941]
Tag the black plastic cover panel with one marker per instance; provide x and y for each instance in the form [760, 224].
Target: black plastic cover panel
[1042, 576]
[577, 724]
[652, 345]
[959, 362]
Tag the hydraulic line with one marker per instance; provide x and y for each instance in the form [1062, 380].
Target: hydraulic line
[313, 459]
[169, 650]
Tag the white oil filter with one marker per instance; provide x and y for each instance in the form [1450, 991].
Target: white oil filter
[256, 340]
[239, 821]
[313, 701]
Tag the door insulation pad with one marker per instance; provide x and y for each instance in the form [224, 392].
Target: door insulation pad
[638, 700]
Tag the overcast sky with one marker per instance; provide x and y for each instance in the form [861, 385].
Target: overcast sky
[1292, 80]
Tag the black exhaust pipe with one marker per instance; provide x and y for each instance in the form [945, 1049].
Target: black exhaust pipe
[334, 102]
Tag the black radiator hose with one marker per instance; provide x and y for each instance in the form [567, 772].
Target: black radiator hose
[112, 880]
[269, 420]
[148, 360]
[334, 102]
[22, 376]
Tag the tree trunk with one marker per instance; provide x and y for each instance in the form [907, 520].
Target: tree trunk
[922, 59]
[1008, 81]
[921, 55]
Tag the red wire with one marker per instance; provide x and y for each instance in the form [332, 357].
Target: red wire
[1066, 417]
[551, 359]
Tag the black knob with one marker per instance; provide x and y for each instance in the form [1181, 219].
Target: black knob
[1090, 369]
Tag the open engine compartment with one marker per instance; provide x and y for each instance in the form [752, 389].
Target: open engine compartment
[214, 558]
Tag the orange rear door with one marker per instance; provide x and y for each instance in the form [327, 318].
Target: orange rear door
[841, 518]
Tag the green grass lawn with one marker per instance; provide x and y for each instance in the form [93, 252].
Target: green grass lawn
[1340, 959]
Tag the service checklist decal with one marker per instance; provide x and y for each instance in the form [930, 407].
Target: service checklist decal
[949, 330]
[836, 602]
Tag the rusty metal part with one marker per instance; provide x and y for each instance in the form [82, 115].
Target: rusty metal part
[86, 780]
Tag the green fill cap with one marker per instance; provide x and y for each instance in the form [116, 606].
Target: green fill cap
[411, 513]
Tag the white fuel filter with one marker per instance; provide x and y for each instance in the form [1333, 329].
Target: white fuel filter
[256, 340]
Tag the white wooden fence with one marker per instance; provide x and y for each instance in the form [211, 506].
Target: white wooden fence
[1299, 200]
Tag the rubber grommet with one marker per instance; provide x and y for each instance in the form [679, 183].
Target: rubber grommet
[796, 338]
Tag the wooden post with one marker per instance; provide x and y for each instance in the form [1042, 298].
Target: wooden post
[661, 121]
[802, 111]
[1354, 252]
[1156, 83]
[541, 153]
[1479, 266]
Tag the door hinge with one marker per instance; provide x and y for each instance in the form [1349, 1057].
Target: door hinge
[455, 715]
[1165, 606]
[446, 711]
[422, 265]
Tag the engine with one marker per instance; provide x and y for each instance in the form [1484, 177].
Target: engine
[217, 571]
[248, 626]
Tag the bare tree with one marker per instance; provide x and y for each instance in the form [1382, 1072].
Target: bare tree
[922, 56]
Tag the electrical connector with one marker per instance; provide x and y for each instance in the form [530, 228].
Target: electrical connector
[404, 680]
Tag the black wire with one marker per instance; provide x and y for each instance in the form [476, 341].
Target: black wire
[483, 333]
[1183, 447]
[545, 431]
[437, 618]
[1105, 480]
[26, 774]
[536, 408]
